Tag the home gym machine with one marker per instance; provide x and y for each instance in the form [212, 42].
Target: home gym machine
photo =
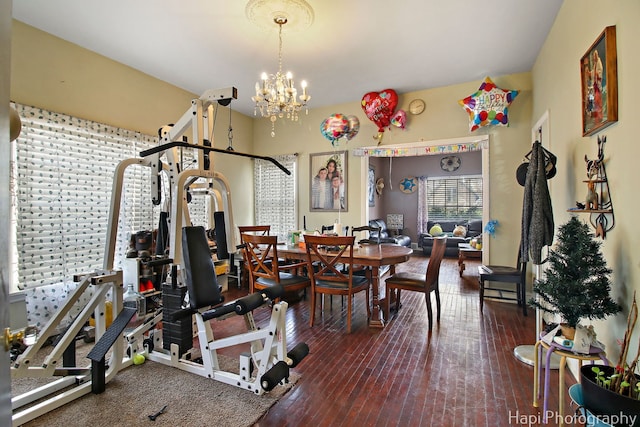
[191, 296]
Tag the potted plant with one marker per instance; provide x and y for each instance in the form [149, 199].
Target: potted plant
[615, 391]
[576, 284]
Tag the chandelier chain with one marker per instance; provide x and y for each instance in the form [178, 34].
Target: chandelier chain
[280, 48]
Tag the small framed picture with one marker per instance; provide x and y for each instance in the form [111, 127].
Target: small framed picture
[328, 190]
[371, 188]
[599, 73]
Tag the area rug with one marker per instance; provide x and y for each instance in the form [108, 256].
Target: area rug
[139, 391]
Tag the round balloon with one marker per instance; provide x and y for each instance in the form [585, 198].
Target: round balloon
[489, 105]
[399, 119]
[379, 107]
[334, 127]
[354, 127]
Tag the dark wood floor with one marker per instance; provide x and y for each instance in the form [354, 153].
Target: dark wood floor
[464, 373]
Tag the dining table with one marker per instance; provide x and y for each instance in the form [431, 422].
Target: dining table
[374, 256]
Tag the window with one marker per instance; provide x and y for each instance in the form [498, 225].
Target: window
[275, 195]
[454, 198]
[63, 174]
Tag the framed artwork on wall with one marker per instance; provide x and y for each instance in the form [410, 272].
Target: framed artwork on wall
[328, 183]
[371, 187]
[599, 74]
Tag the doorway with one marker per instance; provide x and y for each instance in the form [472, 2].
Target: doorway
[428, 148]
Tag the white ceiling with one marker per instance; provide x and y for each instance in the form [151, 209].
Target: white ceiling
[351, 48]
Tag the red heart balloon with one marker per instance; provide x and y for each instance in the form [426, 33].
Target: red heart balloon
[379, 107]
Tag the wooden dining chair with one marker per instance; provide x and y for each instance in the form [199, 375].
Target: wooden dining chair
[261, 258]
[505, 274]
[419, 283]
[262, 230]
[327, 229]
[373, 235]
[327, 254]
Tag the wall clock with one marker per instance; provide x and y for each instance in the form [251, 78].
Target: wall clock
[416, 106]
[450, 163]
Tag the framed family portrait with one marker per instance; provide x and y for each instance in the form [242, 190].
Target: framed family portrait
[328, 181]
[599, 74]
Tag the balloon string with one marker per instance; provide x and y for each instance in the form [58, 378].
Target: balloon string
[390, 181]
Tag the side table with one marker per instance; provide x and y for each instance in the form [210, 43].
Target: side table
[465, 251]
[564, 353]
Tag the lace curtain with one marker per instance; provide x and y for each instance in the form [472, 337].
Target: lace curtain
[63, 169]
[275, 195]
[423, 205]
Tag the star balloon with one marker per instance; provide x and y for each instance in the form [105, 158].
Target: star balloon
[489, 105]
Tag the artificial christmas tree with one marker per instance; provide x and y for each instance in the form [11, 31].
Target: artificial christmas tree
[576, 284]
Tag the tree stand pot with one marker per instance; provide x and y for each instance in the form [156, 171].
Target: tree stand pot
[567, 331]
[601, 401]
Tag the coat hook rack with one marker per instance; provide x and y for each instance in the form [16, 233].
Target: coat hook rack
[597, 202]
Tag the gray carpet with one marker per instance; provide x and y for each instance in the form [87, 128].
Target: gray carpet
[139, 391]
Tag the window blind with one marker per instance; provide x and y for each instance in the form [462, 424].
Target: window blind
[275, 195]
[64, 170]
[454, 198]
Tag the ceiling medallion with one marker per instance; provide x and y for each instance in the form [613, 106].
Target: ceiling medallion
[262, 13]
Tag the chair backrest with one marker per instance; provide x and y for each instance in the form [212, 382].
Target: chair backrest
[261, 256]
[435, 259]
[372, 238]
[326, 228]
[326, 256]
[330, 228]
[255, 229]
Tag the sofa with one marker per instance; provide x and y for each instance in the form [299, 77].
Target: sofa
[473, 228]
[384, 234]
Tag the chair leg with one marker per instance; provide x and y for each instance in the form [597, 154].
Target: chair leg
[397, 299]
[437, 292]
[312, 306]
[349, 302]
[427, 298]
[481, 293]
[523, 293]
[387, 304]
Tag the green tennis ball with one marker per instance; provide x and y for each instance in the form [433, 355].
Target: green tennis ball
[138, 359]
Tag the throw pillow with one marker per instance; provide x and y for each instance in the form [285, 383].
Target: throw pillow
[436, 230]
[460, 231]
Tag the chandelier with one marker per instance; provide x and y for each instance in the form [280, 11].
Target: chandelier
[276, 95]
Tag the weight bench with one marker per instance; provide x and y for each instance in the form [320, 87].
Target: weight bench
[267, 362]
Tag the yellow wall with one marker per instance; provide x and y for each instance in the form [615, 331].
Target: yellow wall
[556, 78]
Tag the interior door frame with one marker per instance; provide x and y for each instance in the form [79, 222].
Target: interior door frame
[486, 187]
